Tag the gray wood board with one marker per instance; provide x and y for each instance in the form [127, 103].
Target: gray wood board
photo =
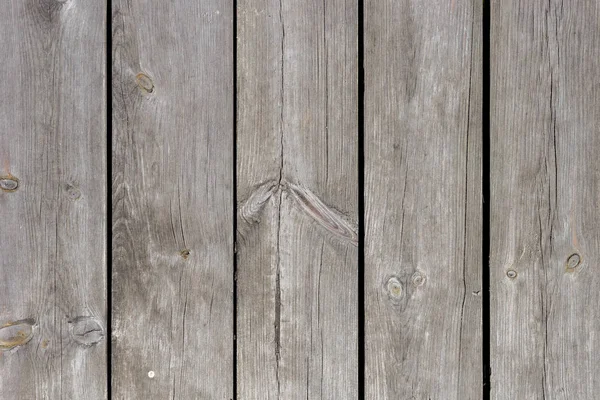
[297, 175]
[172, 199]
[53, 224]
[423, 209]
[545, 219]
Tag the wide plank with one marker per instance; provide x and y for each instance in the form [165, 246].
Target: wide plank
[545, 186]
[423, 210]
[172, 282]
[53, 200]
[297, 192]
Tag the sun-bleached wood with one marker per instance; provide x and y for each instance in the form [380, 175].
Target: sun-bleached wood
[545, 186]
[297, 176]
[172, 199]
[423, 210]
[53, 200]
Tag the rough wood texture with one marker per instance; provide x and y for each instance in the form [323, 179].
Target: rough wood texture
[297, 199]
[423, 199]
[53, 200]
[545, 219]
[173, 199]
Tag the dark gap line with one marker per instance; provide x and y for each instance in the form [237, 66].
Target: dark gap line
[109, 209]
[361, 203]
[235, 271]
[486, 177]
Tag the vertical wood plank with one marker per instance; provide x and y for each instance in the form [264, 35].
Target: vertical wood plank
[297, 199]
[423, 199]
[173, 199]
[545, 237]
[53, 200]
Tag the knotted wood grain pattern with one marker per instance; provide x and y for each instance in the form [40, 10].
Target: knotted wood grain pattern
[423, 199]
[53, 200]
[172, 199]
[545, 219]
[297, 199]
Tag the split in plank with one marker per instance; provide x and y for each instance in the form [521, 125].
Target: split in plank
[297, 176]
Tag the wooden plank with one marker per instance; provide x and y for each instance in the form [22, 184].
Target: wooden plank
[423, 200]
[53, 224]
[545, 224]
[173, 199]
[297, 199]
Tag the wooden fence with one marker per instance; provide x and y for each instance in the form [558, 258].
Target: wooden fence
[287, 199]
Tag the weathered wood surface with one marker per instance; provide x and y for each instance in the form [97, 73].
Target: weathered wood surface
[172, 199]
[53, 225]
[423, 200]
[297, 199]
[545, 102]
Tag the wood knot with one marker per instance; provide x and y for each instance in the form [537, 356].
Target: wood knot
[418, 279]
[15, 334]
[9, 183]
[511, 273]
[87, 331]
[394, 288]
[144, 82]
[573, 262]
[185, 253]
[252, 208]
[325, 216]
[73, 192]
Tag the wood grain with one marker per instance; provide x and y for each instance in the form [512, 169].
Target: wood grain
[297, 199]
[172, 199]
[423, 200]
[53, 200]
[545, 237]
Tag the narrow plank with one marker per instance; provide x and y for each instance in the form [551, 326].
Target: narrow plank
[172, 199]
[545, 237]
[297, 199]
[53, 200]
[423, 200]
